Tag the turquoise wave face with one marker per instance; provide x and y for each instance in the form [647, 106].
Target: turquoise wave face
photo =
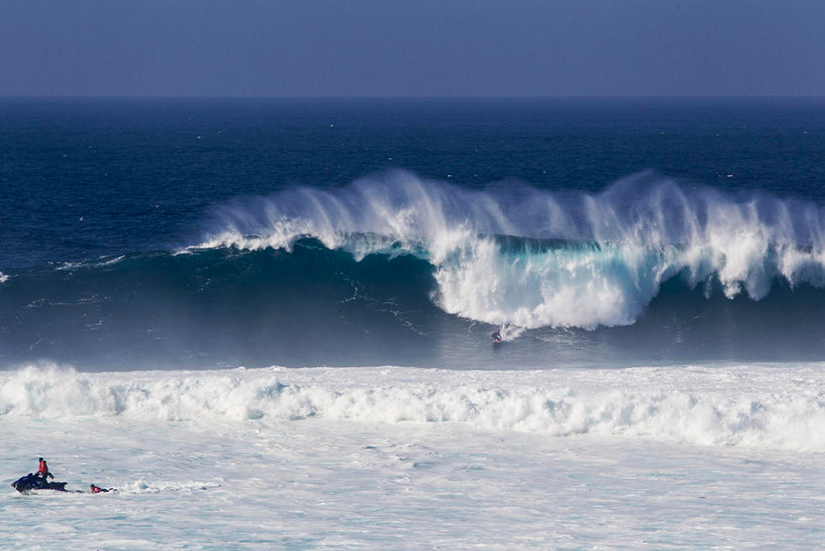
[313, 306]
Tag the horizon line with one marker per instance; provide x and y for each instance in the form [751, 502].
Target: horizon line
[427, 97]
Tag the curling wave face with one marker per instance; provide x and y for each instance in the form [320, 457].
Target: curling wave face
[512, 254]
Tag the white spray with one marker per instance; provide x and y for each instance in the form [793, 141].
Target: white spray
[614, 249]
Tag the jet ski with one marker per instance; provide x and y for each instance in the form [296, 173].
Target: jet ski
[28, 483]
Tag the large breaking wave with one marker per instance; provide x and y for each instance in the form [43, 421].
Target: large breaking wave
[513, 254]
[399, 270]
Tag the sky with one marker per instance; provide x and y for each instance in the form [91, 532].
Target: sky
[412, 48]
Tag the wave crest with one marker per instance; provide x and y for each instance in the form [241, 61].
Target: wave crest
[608, 256]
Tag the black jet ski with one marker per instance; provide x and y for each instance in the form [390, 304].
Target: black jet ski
[27, 483]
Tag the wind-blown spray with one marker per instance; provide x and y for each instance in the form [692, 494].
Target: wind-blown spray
[534, 258]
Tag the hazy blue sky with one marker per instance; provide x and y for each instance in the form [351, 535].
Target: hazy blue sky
[412, 48]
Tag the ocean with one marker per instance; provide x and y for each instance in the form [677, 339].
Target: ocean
[267, 322]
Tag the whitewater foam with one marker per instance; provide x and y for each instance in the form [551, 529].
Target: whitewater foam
[749, 406]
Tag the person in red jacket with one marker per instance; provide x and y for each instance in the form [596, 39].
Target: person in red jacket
[43, 470]
[97, 489]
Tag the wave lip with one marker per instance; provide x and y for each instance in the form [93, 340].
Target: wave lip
[512, 254]
[762, 407]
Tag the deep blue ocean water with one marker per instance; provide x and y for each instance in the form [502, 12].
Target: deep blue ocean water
[170, 233]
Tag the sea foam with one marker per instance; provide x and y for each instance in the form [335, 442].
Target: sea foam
[748, 406]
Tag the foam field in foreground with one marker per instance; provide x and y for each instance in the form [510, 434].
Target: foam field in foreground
[417, 459]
